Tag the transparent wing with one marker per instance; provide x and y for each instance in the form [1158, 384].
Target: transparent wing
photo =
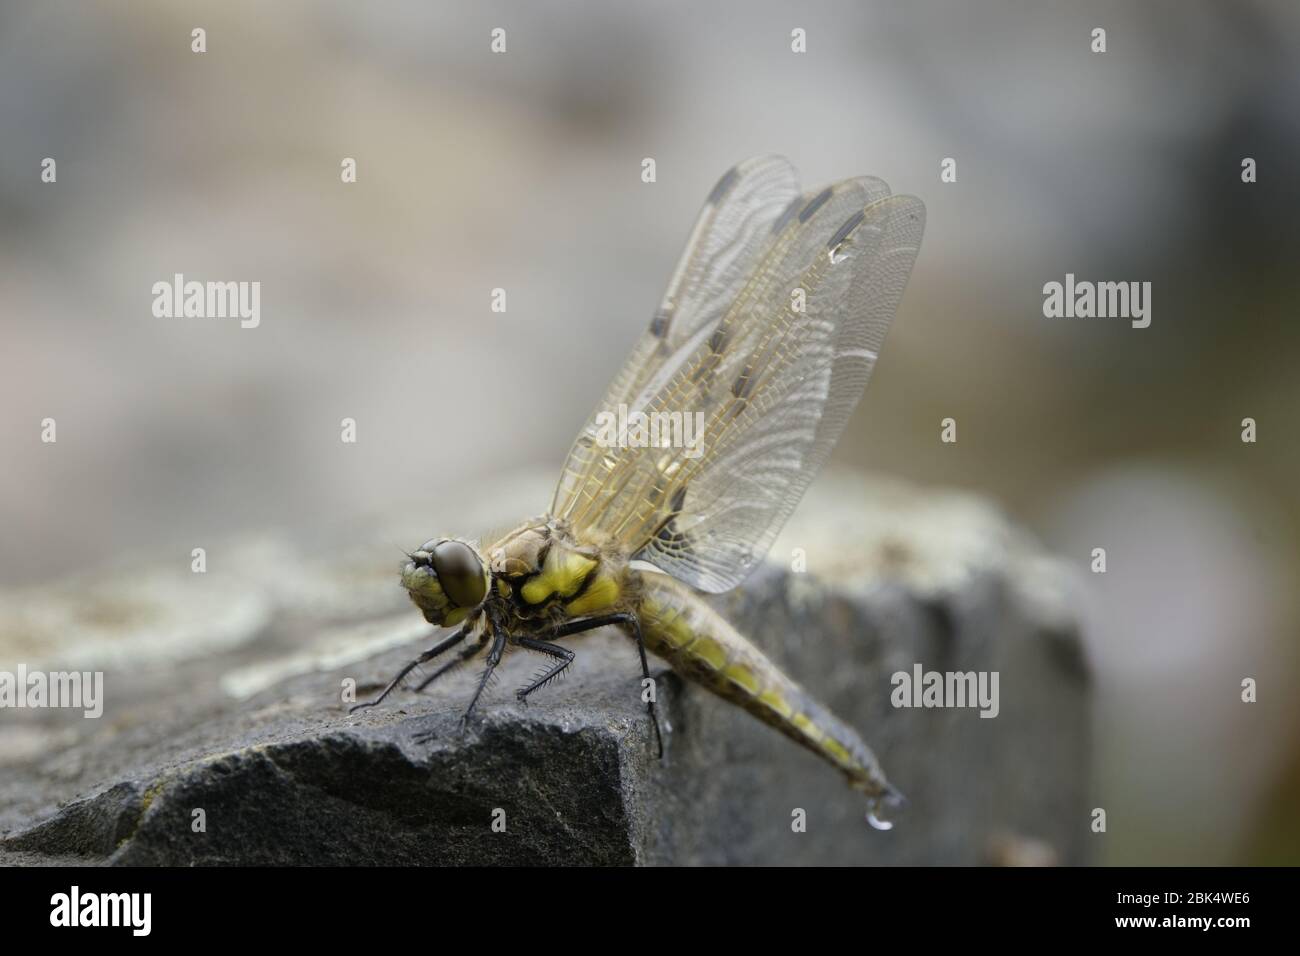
[770, 383]
[730, 235]
[755, 469]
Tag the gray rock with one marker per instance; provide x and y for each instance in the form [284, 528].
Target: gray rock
[252, 731]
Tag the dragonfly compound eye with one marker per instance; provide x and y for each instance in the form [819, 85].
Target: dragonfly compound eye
[460, 573]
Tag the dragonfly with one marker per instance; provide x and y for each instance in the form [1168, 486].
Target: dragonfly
[765, 339]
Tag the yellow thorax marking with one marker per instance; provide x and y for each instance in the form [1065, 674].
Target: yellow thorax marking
[601, 594]
[563, 572]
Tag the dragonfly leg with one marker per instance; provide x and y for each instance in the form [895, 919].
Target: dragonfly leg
[493, 659]
[632, 623]
[461, 658]
[428, 655]
[563, 656]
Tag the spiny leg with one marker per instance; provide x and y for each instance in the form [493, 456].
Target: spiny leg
[465, 654]
[493, 659]
[562, 654]
[630, 621]
[461, 658]
[428, 655]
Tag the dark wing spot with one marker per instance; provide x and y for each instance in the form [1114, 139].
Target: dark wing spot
[744, 384]
[724, 185]
[842, 233]
[815, 203]
[669, 537]
[719, 339]
[671, 540]
[659, 324]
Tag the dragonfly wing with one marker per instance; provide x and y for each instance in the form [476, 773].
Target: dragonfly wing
[771, 383]
[729, 237]
[735, 503]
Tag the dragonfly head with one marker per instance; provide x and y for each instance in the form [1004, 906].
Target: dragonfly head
[446, 579]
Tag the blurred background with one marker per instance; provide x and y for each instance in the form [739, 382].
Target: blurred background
[522, 171]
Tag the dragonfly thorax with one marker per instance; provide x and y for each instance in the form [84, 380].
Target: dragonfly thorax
[541, 569]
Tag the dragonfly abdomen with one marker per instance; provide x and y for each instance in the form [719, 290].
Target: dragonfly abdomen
[702, 646]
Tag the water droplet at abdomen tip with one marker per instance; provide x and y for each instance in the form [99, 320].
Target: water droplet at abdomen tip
[883, 806]
[878, 822]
